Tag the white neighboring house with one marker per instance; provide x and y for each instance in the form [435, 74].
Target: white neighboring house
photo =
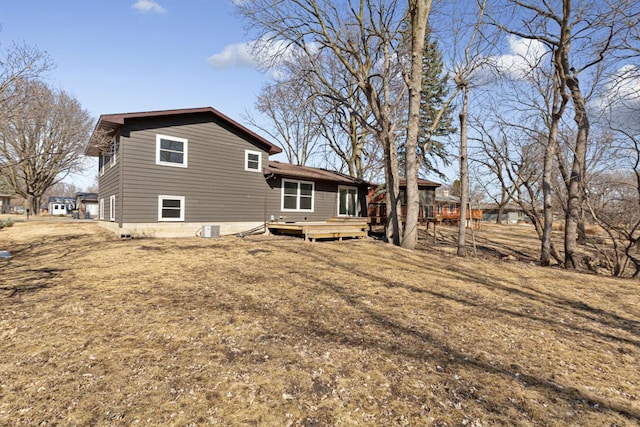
[61, 205]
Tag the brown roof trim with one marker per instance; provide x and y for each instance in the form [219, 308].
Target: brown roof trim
[108, 122]
[289, 170]
[421, 183]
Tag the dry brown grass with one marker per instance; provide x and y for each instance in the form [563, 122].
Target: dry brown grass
[274, 331]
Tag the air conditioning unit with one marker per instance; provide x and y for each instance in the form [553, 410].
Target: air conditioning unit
[209, 231]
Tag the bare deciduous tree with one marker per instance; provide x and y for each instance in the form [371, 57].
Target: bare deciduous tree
[580, 37]
[42, 141]
[364, 37]
[288, 104]
[19, 62]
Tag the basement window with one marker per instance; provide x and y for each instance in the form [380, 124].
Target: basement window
[170, 208]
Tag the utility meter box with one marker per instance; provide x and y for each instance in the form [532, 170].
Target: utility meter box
[209, 231]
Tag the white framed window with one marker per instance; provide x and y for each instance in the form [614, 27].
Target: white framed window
[347, 201]
[171, 151]
[103, 160]
[101, 208]
[170, 208]
[112, 208]
[115, 146]
[252, 161]
[297, 195]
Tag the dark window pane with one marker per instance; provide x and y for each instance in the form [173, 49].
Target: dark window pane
[167, 144]
[343, 203]
[291, 188]
[306, 189]
[290, 202]
[171, 203]
[305, 203]
[170, 213]
[168, 156]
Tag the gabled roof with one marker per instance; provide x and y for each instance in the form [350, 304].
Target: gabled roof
[87, 196]
[61, 199]
[312, 174]
[422, 183]
[109, 123]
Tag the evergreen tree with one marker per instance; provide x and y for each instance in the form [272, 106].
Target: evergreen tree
[434, 96]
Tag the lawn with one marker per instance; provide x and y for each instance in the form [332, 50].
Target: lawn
[273, 331]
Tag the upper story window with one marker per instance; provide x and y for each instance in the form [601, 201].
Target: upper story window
[103, 161]
[252, 161]
[171, 151]
[297, 195]
[115, 147]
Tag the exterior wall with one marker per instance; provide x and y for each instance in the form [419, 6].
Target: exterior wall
[508, 216]
[109, 185]
[176, 229]
[215, 184]
[325, 204]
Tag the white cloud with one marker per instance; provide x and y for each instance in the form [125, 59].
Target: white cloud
[523, 56]
[621, 98]
[254, 54]
[234, 55]
[146, 6]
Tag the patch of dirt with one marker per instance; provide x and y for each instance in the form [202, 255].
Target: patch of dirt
[276, 331]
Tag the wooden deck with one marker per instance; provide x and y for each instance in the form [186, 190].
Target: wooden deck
[334, 228]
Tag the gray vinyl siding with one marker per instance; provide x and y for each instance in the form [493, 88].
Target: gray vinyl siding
[109, 185]
[325, 201]
[215, 185]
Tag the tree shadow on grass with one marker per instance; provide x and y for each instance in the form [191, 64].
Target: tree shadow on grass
[405, 337]
[36, 265]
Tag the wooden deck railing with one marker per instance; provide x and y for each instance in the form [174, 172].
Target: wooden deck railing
[378, 214]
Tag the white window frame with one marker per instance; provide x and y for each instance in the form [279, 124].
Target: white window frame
[182, 208]
[347, 187]
[103, 163]
[185, 152]
[101, 208]
[112, 208]
[246, 161]
[115, 146]
[313, 196]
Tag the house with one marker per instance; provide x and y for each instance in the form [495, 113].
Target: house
[511, 213]
[171, 172]
[59, 205]
[87, 205]
[447, 207]
[426, 193]
[448, 210]
[303, 193]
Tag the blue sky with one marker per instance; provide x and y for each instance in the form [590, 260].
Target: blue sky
[137, 55]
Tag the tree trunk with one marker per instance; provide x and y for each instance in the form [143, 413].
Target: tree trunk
[393, 225]
[34, 205]
[419, 10]
[575, 191]
[547, 184]
[547, 179]
[464, 175]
